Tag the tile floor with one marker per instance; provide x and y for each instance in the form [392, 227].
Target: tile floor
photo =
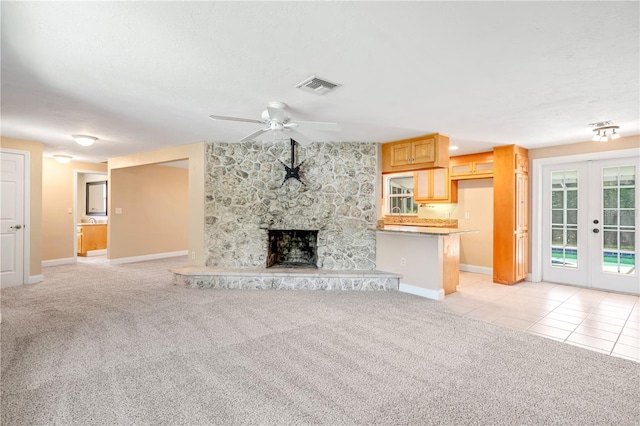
[597, 320]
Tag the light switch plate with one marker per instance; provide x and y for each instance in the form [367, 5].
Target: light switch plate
[118, 210]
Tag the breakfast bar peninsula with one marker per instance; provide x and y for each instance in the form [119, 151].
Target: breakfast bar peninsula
[428, 258]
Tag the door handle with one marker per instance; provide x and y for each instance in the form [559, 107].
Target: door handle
[596, 230]
[16, 227]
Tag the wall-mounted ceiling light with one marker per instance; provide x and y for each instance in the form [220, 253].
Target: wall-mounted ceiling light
[84, 140]
[452, 147]
[64, 159]
[604, 131]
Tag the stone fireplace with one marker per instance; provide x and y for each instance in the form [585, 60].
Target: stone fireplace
[292, 249]
[247, 204]
[245, 198]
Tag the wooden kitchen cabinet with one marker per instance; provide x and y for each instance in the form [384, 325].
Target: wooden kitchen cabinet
[91, 237]
[434, 186]
[472, 166]
[422, 152]
[510, 214]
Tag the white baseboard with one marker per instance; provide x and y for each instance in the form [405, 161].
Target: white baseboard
[96, 252]
[55, 262]
[423, 292]
[147, 257]
[34, 279]
[476, 269]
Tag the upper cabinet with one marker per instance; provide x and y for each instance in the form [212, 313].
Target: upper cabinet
[434, 186]
[472, 166]
[420, 153]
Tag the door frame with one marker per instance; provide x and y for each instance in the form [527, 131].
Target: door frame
[76, 174]
[536, 197]
[26, 246]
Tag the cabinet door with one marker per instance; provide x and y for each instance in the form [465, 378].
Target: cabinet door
[521, 256]
[463, 169]
[484, 168]
[424, 151]
[421, 184]
[440, 184]
[401, 154]
[522, 194]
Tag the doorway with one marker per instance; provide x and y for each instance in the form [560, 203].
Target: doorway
[588, 218]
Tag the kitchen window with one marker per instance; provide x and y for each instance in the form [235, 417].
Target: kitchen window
[399, 194]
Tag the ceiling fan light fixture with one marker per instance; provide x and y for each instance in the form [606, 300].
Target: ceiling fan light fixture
[84, 140]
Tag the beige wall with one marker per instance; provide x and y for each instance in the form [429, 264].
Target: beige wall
[58, 207]
[154, 201]
[584, 148]
[35, 199]
[119, 239]
[475, 196]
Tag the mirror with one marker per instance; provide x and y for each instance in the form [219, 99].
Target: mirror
[97, 198]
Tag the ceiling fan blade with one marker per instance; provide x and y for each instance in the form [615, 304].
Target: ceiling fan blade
[247, 120]
[299, 137]
[254, 134]
[276, 114]
[318, 125]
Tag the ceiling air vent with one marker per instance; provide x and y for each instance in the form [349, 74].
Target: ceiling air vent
[317, 85]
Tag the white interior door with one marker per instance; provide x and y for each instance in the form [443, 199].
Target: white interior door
[588, 220]
[12, 169]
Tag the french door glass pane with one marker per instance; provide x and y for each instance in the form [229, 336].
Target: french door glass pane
[564, 218]
[618, 201]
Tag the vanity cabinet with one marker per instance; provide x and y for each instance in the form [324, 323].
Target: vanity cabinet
[472, 166]
[434, 186]
[91, 237]
[422, 152]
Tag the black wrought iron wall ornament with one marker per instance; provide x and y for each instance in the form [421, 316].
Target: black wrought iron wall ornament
[293, 171]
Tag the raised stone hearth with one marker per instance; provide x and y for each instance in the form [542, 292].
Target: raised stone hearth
[284, 279]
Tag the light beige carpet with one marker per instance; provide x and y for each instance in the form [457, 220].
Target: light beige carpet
[107, 345]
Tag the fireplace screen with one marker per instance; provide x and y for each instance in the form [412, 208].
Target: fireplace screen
[292, 249]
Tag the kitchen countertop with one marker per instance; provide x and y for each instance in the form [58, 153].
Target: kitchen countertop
[424, 230]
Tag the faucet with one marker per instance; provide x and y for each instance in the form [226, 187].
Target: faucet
[92, 220]
[399, 214]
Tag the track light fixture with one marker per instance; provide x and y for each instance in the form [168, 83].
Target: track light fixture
[604, 131]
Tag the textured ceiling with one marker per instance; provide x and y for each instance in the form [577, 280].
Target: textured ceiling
[145, 75]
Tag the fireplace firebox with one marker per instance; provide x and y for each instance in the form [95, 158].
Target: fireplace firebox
[292, 248]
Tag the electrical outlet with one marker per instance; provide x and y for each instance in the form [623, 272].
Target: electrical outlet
[447, 215]
[467, 215]
[118, 210]
[193, 255]
[69, 211]
[403, 261]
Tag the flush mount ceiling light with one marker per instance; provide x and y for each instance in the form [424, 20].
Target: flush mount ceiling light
[604, 131]
[84, 140]
[64, 159]
[452, 147]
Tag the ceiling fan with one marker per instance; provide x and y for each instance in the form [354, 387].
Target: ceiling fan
[276, 119]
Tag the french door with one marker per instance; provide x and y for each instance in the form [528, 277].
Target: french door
[589, 216]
